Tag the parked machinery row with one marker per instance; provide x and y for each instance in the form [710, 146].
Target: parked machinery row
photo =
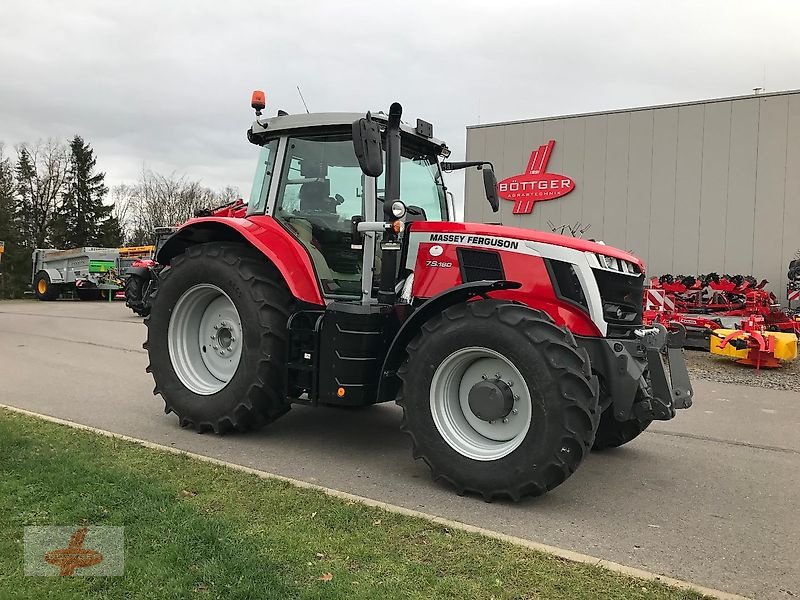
[730, 315]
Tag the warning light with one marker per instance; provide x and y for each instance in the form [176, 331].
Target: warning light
[258, 101]
[340, 392]
[397, 226]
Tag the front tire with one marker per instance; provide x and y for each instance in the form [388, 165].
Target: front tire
[216, 338]
[612, 433]
[542, 410]
[134, 295]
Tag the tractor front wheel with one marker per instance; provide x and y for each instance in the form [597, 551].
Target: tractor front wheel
[498, 400]
[134, 295]
[216, 338]
[612, 433]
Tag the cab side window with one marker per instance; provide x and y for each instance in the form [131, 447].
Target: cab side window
[262, 178]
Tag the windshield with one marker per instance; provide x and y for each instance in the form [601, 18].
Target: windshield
[421, 185]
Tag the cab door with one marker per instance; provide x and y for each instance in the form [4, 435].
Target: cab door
[321, 188]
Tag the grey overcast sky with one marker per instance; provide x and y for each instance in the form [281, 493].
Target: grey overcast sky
[167, 84]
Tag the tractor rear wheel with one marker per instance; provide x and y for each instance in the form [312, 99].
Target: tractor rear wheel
[216, 338]
[612, 433]
[44, 288]
[498, 400]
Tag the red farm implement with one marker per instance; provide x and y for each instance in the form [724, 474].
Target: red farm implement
[733, 315]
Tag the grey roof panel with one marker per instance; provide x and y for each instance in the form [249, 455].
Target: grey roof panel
[634, 109]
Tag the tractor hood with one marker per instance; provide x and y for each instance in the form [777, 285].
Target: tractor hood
[501, 232]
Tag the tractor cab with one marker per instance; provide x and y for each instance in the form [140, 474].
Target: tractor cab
[309, 180]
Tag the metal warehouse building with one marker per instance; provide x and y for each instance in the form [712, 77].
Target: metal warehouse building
[690, 188]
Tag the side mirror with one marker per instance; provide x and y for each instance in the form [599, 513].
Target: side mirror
[367, 145]
[490, 187]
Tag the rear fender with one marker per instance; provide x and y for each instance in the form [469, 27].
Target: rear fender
[54, 274]
[389, 383]
[262, 233]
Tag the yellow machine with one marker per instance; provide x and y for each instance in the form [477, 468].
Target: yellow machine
[755, 348]
[136, 251]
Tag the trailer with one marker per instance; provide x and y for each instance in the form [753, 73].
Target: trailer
[91, 273]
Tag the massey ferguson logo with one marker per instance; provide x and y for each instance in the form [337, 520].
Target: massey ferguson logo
[535, 184]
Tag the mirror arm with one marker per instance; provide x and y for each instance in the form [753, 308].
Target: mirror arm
[448, 167]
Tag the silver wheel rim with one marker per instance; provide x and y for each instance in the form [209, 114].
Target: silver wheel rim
[205, 339]
[465, 432]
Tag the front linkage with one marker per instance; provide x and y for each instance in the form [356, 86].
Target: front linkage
[645, 376]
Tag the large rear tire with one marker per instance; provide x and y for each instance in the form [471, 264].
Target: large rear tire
[44, 289]
[498, 400]
[216, 338]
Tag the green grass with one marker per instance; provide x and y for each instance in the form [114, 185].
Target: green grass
[195, 530]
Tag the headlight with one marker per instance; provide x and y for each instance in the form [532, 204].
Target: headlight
[609, 263]
[398, 209]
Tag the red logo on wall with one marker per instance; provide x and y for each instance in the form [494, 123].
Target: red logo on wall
[535, 184]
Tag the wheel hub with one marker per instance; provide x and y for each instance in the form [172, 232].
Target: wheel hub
[223, 338]
[480, 403]
[205, 339]
[491, 399]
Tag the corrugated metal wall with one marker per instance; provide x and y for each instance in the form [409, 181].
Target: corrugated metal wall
[690, 188]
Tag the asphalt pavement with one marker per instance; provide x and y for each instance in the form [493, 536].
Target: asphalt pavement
[709, 497]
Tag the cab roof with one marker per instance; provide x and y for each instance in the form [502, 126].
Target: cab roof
[267, 128]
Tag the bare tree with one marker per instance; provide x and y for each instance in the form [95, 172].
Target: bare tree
[158, 200]
[41, 176]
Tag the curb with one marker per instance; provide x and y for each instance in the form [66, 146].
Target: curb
[569, 555]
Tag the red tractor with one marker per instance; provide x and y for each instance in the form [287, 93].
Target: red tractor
[511, 352]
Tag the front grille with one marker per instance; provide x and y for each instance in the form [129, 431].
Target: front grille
[623, 301]
[479, 265]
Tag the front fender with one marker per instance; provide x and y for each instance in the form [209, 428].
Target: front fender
[389, 383]
[260, 232]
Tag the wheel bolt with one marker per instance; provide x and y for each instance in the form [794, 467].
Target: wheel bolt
[483, 376]
[491, 422]
[497, 375]
[510, 383]
[216, 326]
[516, 397]
[514, 411]
[214, 346]
[505, 420]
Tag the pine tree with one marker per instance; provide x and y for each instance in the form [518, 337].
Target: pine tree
[6, 218]
[109, 234]
[15, 262]
[26, 214]
[83, 220]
